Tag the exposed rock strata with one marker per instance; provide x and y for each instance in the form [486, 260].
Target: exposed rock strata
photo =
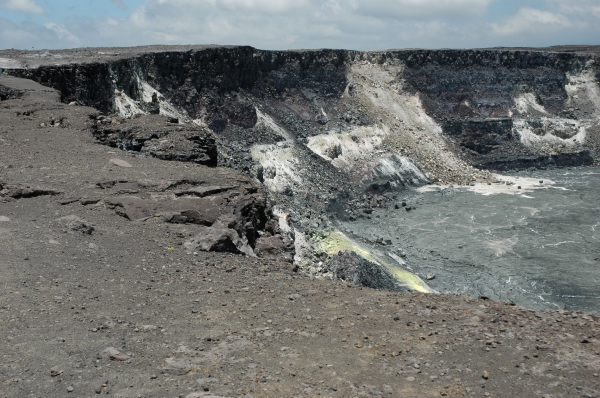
[472, 95]
[232, 217]
[159, 137]
[10, 192]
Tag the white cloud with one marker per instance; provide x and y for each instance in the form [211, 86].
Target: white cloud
[280, 24]
[352, 24]
[581, 8]
[27, 35]
[265, 6]
[62, 32]
[532, 20]
[407, 9]
[28, 6]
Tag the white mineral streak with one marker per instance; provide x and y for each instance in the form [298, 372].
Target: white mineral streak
[267, 121]
[284, 219]
[502, 185]
[128, 107]
[550, 131]
[166, 108]
[400, 168]
[396, 258]
[303, 250]
[401, 121]
[554, 133]
[280, 166]
[583, 88]
[352, 150]
[527, 103]
[375, 151]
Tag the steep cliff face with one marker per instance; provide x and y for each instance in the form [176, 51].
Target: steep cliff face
[335, 130]
[504, 105]
[489, 107]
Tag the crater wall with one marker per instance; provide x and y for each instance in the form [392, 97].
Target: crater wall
[342, 132]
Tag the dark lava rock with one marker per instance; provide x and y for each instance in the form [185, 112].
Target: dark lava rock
[352, 268]
[156, 136]
[13, 192]
[565, 159]
[219, 238]
[7, 93]
[242, 207]
[75, 224]
[275, 246]
[135, 208]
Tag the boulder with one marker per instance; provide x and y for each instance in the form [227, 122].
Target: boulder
[132, 207]
[74, 224]
[275, 246]
[219, 238]
[352, 268]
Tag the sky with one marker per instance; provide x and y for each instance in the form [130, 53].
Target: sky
[294, 24]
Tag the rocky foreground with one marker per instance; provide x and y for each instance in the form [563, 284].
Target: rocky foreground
[107, 287]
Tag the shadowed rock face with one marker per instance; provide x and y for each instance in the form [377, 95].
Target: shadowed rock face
[481, 135]
[158, 137]
[7, 93]
[350, 267]
[242, 208]
[488, 80]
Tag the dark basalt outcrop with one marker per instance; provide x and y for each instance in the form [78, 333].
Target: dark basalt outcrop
[238, 214]
[204, 83]
[482, 136]
[488, 80]
[352, 268]
[159, 137]
[7, 93]
[555, 160]
[9, 192]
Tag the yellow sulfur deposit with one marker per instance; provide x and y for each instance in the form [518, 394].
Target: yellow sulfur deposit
[335, 241]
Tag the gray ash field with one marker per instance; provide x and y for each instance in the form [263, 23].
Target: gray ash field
[535, 247]
[229, 222]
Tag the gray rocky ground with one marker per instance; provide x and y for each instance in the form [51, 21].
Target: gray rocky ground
[111, 299]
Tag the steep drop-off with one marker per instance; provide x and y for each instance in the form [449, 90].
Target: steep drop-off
[341, 132]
